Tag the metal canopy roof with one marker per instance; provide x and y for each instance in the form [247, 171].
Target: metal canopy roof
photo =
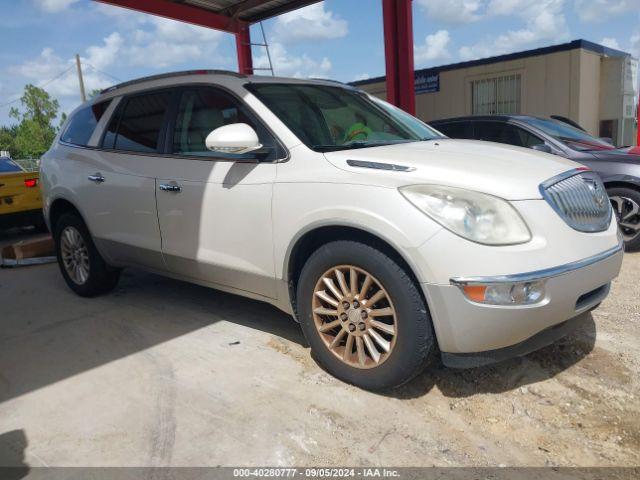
[248, 10]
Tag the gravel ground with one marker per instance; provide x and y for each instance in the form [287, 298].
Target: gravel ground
[166, 373]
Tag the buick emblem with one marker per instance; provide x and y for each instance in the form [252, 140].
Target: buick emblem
[596, 192]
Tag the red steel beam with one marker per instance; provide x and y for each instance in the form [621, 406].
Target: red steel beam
[181, 12]
[638, 120]
[243, 48]
[398, 49]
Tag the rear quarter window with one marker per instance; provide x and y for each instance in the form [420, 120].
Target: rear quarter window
[83, 123]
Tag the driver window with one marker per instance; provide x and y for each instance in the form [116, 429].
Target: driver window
[201, 111]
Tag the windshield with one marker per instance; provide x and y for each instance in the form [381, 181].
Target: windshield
[570, 136]
[8, 165]
[415, 124]
[330, 118]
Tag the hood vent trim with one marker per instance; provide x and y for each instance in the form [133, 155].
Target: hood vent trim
[379, 166]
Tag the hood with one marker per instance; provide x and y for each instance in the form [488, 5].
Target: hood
[620, 155]
[508, 172]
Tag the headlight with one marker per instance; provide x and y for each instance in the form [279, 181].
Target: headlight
[476, 216]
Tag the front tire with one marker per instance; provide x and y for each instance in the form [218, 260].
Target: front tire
[363, 316]
[81, 265]
[626, 206]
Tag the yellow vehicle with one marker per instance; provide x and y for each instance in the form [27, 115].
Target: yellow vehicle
[20, 202]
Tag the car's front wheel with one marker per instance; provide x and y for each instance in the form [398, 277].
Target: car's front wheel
[82, 266]
[363, 316]
[626, 206]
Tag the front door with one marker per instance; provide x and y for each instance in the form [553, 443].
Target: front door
[215, 210]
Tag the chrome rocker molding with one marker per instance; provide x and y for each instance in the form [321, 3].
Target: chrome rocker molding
[538, 274]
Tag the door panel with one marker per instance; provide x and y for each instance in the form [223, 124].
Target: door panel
[121, 186]
[122, 209]
[217, 227]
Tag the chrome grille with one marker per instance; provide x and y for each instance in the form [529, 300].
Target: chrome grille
[579, 197]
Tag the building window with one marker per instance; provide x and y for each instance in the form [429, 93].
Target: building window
[499, 95]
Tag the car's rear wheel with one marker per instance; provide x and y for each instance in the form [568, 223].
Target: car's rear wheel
[363, 316]
[626, 206]
[81, 265]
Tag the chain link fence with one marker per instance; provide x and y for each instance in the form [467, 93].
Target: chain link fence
[28, 164]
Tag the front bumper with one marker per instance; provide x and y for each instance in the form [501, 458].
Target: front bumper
[465, 327]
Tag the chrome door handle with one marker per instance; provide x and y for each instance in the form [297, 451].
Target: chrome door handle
[97, 178]
[170, 187]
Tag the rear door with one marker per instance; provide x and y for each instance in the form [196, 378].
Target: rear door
[119, 197]
[214, 209]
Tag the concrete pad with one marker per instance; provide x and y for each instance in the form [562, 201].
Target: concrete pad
[163, 373]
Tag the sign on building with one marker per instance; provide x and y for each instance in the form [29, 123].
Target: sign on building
[427, 83]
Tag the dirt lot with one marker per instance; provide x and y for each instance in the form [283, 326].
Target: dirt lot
[165, 373]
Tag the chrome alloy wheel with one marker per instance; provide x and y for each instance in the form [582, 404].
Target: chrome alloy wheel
[75, 255]
[628, 214]
[354, 316]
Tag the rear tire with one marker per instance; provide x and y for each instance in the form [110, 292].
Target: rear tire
[626, 201]
[396, 322]
[82, 267]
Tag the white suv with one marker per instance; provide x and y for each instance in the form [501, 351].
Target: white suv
[386, 240]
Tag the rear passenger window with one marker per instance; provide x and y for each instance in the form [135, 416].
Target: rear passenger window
[501, 132]
[83, 123]
[456, 129]
[136, 128]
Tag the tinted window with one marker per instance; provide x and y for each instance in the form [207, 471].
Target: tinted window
[501, 132]
[333, 118]
[8, 165]
[83, 123]
[137, 126]
[201, 111]
[570, 136]
[456, 129]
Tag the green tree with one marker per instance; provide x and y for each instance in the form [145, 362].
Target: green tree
[7, 139]
[35, 131]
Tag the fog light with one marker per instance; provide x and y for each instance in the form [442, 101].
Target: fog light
[525, 293]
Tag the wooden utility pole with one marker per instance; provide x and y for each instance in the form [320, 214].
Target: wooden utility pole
[83, 97]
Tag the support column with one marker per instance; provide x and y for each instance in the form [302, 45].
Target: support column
[638, 121]
[243, 47]
[398, 49]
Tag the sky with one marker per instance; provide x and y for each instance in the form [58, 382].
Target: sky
[339, 39]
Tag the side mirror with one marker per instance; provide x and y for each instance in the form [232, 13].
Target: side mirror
[542, 147]
[237, 138]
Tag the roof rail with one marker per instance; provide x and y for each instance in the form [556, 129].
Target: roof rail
[169, 75]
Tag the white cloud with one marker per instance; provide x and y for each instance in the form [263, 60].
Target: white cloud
[309, 23]
[54, 6]
[102, 56]
[452, 11]
[170, 43]
[47, 66]
[599, 10]
[435, 47]
[361, 76]
[544, 22]
[610, 42]
[288, 65]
